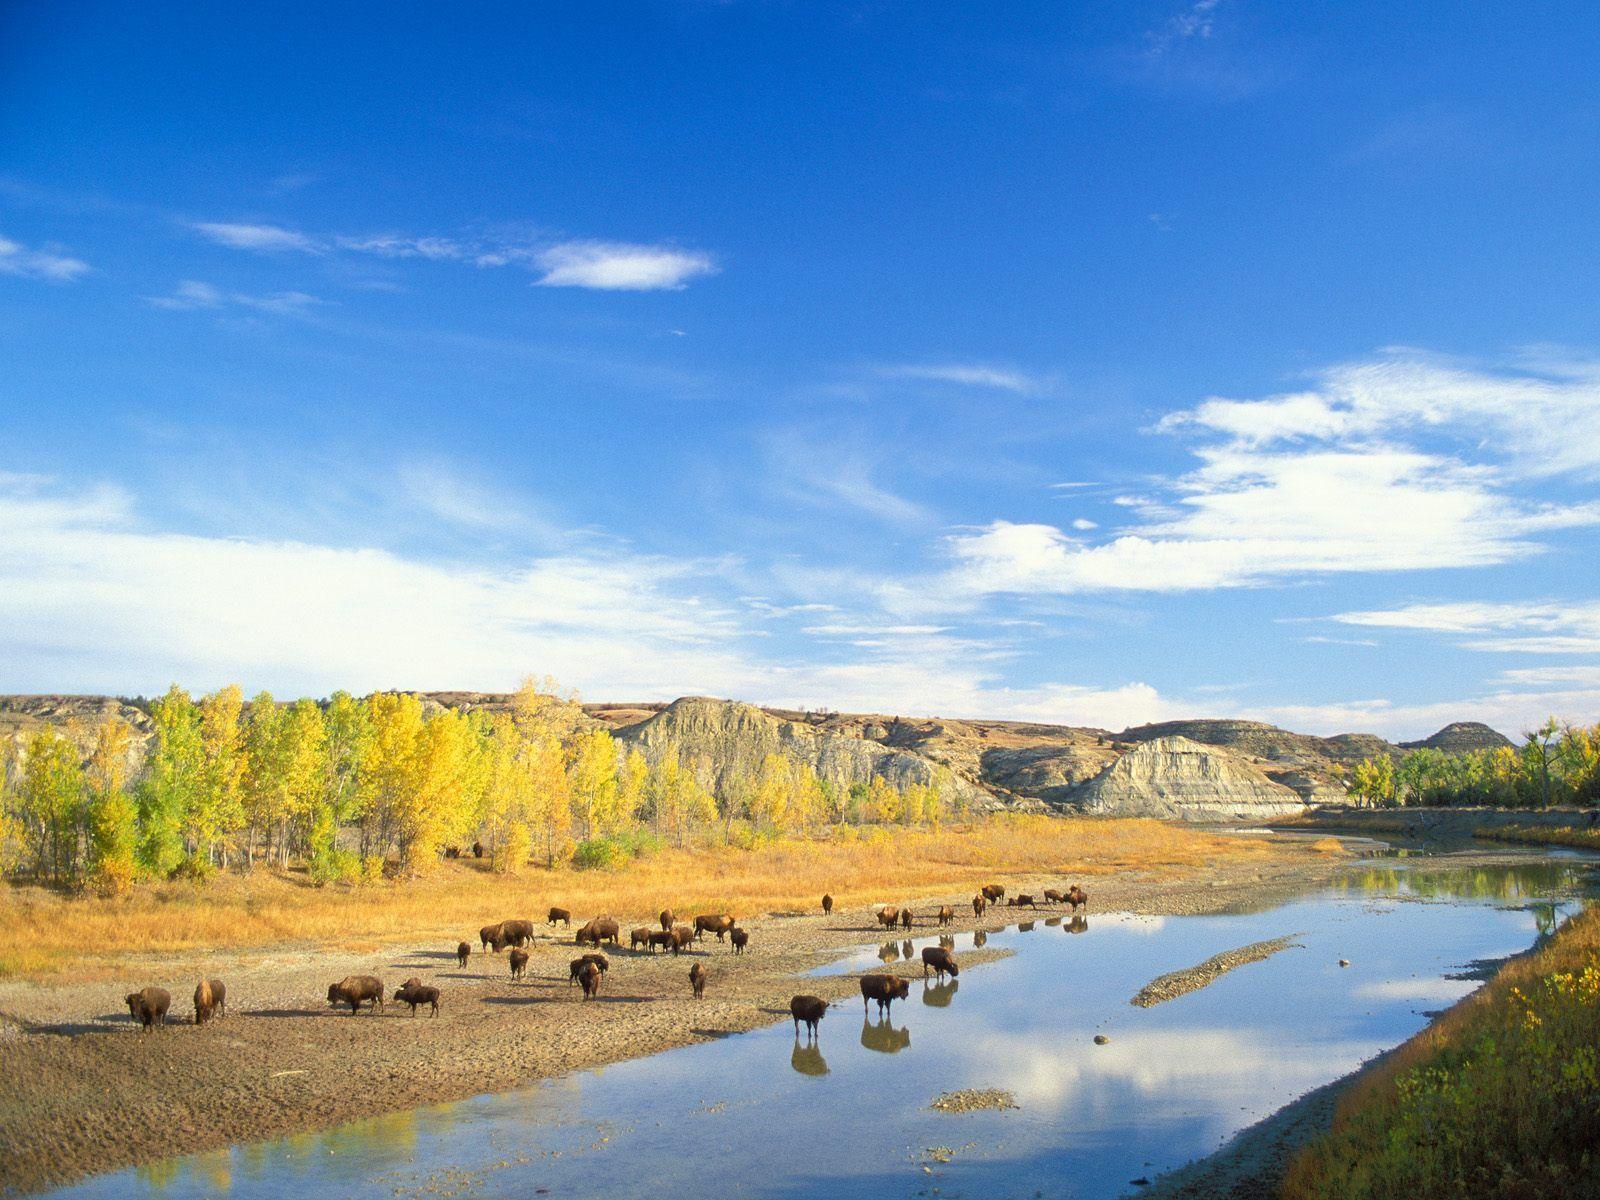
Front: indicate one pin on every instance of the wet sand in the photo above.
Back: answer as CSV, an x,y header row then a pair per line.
x,y
86,1092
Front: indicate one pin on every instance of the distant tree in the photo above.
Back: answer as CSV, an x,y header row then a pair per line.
x,y
1539,751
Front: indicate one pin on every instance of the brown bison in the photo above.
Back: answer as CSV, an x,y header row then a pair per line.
x,y
993,892
978,905
1077,897
718,924
697,980
463,953
598,961
1052,896
453,852
639,937
884,990
516,933
599,929
589,978
489,935
149,1006
558,915
416,995
1023,900
660,939
682,937
888,916
356,990
210,999
519,963
827,905
905,918
477,849
940,961
946,915
740,939
667,920
809,1009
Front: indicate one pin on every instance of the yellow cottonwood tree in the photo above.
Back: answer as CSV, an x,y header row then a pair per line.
x,y
593,784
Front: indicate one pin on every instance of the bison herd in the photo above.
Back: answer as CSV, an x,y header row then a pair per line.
x,y
149,1007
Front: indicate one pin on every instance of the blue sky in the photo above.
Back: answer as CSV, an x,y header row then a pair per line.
x,y
1095,364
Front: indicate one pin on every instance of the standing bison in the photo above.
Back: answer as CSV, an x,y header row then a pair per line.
x,y
516,933
827,905
600,929
888,916
463,953
489,935
667,919
1077,897
993,892
640,937
519,963
1052,896
558,916
682,937
979,903
809,1009
589,977
946,915
718,923
884,990
416,994
210,999
356,990
149,1007
598,961
940,961
697,980
740,939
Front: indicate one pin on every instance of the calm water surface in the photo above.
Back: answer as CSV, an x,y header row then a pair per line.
x,y
762,1115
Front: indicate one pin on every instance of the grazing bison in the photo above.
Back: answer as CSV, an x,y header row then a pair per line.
x,y
667,920
718,924
978,905
639,937
589,977
905,918
416,995
940,961
1023,900
682,936
1077,897
489,935
946,915
993,892
599,929
519,963
598,961
560,915
356,990
516,933
149,1007
740,939
210,999
888,916
697,980
884,990
453,852
661,939
809,1009
827,905
1052,896
463,952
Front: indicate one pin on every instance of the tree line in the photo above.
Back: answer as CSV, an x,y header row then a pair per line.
x,y
1555,764
352,788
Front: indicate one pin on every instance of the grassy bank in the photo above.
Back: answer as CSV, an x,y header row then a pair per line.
x,y
44,932
1499,1098
1538,835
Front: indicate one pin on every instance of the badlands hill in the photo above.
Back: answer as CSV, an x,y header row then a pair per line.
x,y
1198,770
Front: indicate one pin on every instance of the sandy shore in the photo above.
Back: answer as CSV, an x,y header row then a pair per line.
x,y
86,1093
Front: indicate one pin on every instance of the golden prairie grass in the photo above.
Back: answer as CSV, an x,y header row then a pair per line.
x,y
1541,835
43,933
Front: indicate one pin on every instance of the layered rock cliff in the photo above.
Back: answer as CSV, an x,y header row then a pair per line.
x,y
1174,777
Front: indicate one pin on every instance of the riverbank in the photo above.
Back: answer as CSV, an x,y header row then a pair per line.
x,y
87,1094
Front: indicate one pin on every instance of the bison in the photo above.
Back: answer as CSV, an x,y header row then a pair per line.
x,y
1077,897
149,1007
979,903
489,935
809,1009
516,933
660,939
940,961
697,980
560,915
946,915
740,939
667,920
356,990
416,995
1023,900
589,977
682,936
599,929
598,961
1052,896
210,999
519,963
639,937
718,924
463,953
827,905
884,990
888,916
993,892
905,918
477,849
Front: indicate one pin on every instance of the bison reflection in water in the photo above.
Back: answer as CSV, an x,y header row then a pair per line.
x,y
889,952
808,1060
940,994
884,1037
1078,924
1025,926
1052,921
979,939
907,951
947,941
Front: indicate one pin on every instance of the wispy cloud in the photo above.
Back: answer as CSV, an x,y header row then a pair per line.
x,y
620,266
1518,627
1198,20
193,295
391,245
264,239
48,265
967,375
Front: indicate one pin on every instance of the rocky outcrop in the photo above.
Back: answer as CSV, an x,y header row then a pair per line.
x,y
1461,737
1175,777
733,739
77,717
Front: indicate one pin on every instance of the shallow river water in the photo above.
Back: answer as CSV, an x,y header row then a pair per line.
x,y
764,1115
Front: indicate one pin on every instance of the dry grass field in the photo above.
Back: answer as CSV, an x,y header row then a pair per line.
x,y
44,933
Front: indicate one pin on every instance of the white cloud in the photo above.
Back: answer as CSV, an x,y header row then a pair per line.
x,y
393,245
1427,991
967,374
620,266
1511,710
438,489
267,239
193,295
1083,524
17,259
1520,627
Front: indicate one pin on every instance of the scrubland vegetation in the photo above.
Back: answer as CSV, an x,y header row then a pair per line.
x,y
1500,1098
1555,764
